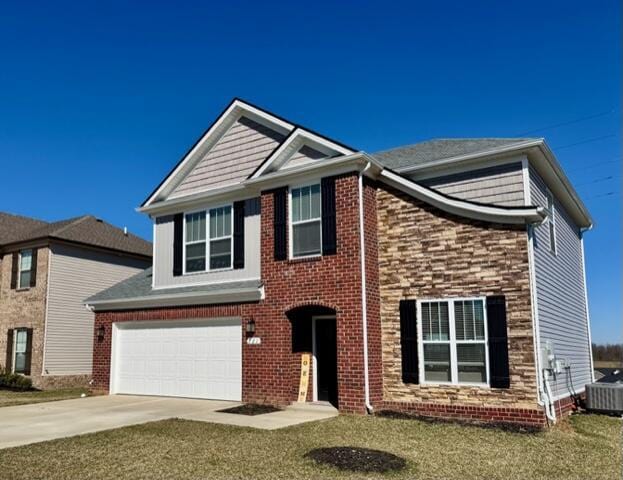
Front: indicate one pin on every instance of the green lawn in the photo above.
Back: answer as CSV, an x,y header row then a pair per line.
x,y
588,447
8,398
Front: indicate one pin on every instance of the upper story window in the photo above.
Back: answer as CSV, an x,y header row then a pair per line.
x,y
551,223
454,341
305,221
200,254
25,268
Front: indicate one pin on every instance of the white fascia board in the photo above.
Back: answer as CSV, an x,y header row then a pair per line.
x,y
253,187
235,110
173,299
299,137
488,213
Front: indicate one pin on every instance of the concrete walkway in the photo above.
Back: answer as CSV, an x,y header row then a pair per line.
x,y
24,424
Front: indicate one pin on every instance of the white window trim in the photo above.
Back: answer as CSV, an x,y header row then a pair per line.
x,y
454,369
207,241
551,219
19,269
291,255
14,350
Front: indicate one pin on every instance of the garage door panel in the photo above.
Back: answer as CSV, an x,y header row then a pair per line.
x,y
191,360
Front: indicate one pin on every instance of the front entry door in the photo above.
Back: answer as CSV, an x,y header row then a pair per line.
x,y
325,354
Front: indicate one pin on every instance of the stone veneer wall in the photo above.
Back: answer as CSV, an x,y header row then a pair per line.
x,y
426,253
25,308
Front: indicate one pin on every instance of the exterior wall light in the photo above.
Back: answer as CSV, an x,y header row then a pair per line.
x,y
251,328
101,331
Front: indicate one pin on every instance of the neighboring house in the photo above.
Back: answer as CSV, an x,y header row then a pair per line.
x,y
46,271
444,278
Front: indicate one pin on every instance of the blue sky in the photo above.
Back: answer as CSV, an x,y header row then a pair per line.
x,y
99,100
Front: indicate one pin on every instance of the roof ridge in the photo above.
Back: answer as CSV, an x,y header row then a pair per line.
x,y
24,217
72,223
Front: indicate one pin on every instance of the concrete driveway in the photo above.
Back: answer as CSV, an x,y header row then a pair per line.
x,y
24,424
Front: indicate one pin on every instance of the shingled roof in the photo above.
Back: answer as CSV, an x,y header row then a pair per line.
x,y
86,229
442,148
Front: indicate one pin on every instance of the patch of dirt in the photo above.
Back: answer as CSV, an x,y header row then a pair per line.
x,y
251,409
357,459
506,427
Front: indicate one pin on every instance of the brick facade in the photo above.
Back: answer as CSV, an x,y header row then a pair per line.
x,y
25,308
426,253
270,370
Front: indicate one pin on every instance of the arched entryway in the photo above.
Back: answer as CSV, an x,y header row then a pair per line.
x,y
314,331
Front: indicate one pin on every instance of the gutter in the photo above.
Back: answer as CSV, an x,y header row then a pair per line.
x,y
236,295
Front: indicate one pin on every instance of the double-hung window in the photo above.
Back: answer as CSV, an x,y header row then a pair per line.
x,y
305,231
551,221
25,268
220,237
208,240
454,341
20,345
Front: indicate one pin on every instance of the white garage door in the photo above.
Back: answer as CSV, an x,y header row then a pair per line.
x,y
178,359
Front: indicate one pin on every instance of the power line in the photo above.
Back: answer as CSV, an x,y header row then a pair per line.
x,y
598,180
609,194
584,141
586,167
564,124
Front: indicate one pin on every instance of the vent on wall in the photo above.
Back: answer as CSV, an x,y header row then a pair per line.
x,y
605,397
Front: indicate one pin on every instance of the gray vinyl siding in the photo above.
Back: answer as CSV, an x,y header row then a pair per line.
x,y
232,159
499,185
163,260
560,291
304,155
76,274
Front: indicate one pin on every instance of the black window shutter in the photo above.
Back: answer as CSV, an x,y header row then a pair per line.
x,y
33,268
499,375
239,234
14,271
408,341
178,244
280,223
329,240
28,351
8,366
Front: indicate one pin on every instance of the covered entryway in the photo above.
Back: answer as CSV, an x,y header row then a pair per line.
x,y
194,359
314,332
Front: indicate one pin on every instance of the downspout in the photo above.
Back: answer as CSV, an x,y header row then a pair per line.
x,y
364,305
588,315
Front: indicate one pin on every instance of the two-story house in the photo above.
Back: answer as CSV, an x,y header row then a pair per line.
x,y
444,278
46,271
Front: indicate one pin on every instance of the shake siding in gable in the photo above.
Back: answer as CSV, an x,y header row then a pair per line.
x,y
232,159
500,185
76,274
163,260
560,292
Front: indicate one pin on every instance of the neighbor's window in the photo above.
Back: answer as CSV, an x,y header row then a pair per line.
x,y
19,350
551,212
25,268
215,225
453,341
196,242
305,221
220,237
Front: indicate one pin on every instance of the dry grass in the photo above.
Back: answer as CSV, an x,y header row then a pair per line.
x,y
608,364
174,449
8,398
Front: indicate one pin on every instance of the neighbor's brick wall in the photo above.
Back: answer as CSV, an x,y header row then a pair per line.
x,y
426,253
271,372
24,308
